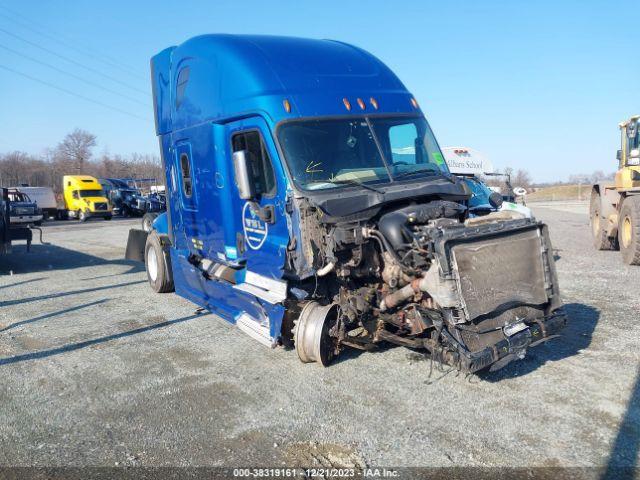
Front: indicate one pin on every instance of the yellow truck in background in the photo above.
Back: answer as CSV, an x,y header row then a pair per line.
x,y
84,198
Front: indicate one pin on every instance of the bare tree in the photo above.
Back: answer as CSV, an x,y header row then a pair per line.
x,y
76,149
73,155
522,178
17,168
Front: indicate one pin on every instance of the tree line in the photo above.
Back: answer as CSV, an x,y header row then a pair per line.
x,y
74,155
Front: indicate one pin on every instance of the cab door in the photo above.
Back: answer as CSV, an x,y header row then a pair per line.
x,y
188,223
260,244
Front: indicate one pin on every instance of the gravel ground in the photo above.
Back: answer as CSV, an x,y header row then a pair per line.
x,y
98,370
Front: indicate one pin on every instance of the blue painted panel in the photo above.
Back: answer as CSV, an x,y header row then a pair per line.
x,y
161,225
160,82
209,227
265,244
236,75
479,193
224,300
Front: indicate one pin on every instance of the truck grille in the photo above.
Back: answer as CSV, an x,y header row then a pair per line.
x,y
100,206
23,211
500,272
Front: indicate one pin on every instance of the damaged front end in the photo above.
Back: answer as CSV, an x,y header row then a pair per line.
x,y
471,292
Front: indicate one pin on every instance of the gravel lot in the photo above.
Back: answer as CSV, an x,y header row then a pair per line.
x,y
98,370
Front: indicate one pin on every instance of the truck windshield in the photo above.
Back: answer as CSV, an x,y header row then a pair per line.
x,y
19,197
91,193
325,154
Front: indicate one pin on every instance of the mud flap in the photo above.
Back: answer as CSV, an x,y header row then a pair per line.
x,y
135,245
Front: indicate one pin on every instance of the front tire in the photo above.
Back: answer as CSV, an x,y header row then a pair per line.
x,y
629,230
82,215
600,239
158,265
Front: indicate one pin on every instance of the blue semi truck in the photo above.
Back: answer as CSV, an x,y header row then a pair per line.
x,y
309,204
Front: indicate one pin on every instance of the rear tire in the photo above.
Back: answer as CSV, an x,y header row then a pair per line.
x,y
157,263
629,230
600,239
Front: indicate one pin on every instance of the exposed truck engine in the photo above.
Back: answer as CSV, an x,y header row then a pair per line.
x,y
472,292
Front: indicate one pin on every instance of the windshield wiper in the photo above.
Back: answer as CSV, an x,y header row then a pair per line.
x,y
421,170
350,181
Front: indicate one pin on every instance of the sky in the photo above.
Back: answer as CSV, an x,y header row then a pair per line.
x,y
534,85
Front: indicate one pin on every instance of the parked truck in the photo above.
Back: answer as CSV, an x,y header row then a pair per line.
x,y
45,198
84,198
615,207
9,231
290,216
23,210
128,200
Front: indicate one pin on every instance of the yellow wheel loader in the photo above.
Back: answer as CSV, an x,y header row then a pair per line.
x,y
615,208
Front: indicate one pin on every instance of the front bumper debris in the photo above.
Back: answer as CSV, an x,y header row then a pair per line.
x,y
504,351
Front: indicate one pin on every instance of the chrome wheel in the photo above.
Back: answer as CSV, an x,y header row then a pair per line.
x,y
595,223
311,333
152,264
626,232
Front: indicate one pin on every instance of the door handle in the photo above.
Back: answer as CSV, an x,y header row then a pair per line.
x,y
267,213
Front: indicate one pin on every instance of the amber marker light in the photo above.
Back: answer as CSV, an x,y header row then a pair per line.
x,y
347,104
361,104
286,105
373,102
414,102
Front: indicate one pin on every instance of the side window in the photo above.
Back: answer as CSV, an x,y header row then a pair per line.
x,y
402,139
75,195
263,175
633,135
185,169
181,86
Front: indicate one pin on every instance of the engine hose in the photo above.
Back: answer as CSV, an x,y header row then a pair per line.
x,y
388,248
326,269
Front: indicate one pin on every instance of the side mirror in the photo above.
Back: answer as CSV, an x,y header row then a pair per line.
x,y
244,175
619,155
